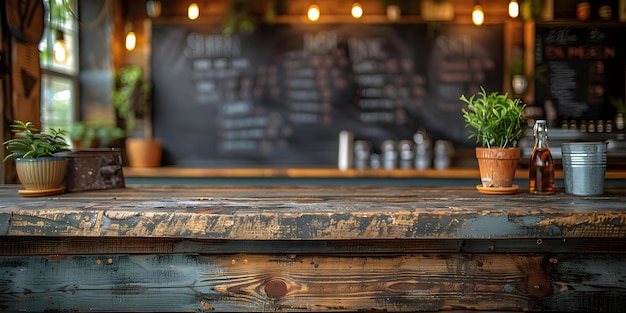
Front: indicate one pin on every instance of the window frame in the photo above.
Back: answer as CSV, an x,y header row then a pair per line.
x,y
65,72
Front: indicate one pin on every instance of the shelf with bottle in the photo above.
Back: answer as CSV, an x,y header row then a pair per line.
x,y
616,138
584,11
592,129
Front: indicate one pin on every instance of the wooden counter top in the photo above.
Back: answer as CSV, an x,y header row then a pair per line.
x,y
260,249
312,213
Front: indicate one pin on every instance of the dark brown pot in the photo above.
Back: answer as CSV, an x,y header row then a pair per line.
x,y
497,166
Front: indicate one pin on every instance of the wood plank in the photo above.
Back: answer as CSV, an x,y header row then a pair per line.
x,y
200,249
324,213
261,283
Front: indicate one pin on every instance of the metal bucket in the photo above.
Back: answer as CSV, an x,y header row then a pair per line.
x,y
584,165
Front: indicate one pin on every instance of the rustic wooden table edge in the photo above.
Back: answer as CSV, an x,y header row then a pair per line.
x,y
313,213
297,249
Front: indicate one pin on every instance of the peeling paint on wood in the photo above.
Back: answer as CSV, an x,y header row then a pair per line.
x,y
256,283
294,249
315,213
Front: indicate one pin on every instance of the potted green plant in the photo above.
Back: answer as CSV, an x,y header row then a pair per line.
x,y
497,123
97,133
240,17
38,169
531,9
131,96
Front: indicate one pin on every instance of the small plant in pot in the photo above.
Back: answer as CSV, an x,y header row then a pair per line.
x,y
39,170
95,133
497,123
131,98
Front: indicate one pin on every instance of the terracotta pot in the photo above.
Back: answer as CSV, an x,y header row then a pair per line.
x,y
143,152
83,144
41,173
497,166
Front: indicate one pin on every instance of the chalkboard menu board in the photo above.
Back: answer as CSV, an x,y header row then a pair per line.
x,y
281,94
581,67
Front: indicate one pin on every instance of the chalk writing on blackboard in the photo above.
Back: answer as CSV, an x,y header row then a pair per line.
x,y
579,59
281,94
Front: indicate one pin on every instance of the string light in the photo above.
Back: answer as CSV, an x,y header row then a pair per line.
x,y
193,11
131,40
478,15
313,13
131,37
357,10
59,49
513,9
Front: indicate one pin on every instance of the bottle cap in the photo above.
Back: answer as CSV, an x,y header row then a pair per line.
x,y
540,126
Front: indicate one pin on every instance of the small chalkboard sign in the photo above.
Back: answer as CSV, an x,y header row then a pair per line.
x,y
280,95
581,67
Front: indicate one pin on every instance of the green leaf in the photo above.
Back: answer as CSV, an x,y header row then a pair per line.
x,y
494,119
30,143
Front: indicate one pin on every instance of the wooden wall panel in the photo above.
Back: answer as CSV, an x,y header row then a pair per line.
x,y
256,283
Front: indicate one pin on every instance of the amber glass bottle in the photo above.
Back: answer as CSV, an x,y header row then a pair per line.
x,y
541,167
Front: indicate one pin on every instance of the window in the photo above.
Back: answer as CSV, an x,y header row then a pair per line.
x,y
59,65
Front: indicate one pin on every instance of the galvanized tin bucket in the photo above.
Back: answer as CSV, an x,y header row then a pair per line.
x,y
584,165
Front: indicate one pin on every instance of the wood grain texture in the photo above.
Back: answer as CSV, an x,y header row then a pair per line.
x,y
297,249
298,283
319,213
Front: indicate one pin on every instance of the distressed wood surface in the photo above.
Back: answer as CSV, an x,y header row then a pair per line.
x,y
297,283
303,213
297,249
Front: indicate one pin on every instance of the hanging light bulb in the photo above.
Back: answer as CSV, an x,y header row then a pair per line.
x,y
59,49
513,9
313,13
131,37
357,10
193,11
478,15
131,40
